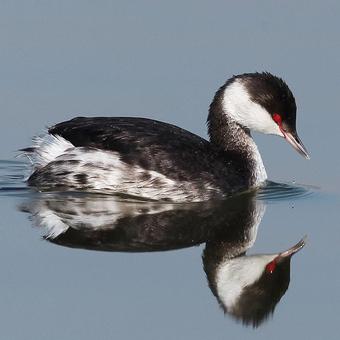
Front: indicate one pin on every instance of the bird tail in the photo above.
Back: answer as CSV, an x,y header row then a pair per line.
x,y
45,149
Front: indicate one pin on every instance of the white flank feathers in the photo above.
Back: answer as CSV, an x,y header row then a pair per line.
x,y
105,172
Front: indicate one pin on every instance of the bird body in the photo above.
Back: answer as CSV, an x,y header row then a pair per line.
x,y
138,156
159,161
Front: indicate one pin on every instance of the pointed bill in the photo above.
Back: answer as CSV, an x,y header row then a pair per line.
x,y
294,140
291,251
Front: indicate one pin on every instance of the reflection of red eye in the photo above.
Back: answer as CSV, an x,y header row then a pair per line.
x,y
270,267
277,119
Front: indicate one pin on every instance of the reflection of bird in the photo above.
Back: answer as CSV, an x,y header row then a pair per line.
x,y
106,223
247,287
155,160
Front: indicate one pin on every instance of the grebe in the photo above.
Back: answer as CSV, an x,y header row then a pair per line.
x,y
159,161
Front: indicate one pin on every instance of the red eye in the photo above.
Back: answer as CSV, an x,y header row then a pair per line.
x,y
277,119
270,267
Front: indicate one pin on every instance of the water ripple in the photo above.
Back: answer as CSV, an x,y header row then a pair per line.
x,y
12,176
276,192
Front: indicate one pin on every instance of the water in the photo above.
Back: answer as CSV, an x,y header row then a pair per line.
x,y
73,270
76,265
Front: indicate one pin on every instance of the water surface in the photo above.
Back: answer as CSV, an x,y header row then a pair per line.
x,y
77,265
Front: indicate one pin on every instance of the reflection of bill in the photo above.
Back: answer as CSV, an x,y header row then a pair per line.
x,y
247,287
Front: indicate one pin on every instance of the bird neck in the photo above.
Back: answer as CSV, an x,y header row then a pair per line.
x,y
226,133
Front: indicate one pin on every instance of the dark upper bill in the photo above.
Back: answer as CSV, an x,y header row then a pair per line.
x,y
294,140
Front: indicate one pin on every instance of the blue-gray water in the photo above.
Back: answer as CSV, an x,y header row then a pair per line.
x,y
55,286
164,60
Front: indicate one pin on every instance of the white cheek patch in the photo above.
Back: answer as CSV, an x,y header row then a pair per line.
x,y
239,106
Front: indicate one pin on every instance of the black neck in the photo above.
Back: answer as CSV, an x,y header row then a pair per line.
x,y
226,134
224,131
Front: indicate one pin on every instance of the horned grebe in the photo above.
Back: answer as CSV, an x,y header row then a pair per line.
x,y
159,161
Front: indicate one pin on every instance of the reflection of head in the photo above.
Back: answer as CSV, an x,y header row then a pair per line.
x,y
247,291
259,299
249,287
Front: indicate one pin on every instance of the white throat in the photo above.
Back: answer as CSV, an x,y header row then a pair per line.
x,y
259,171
